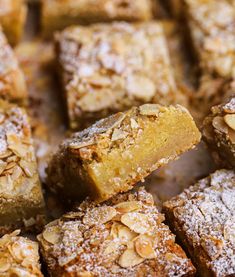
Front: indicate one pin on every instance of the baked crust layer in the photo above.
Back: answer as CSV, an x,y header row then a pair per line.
x,y
203,219
117,152
124,236
107,68
21,199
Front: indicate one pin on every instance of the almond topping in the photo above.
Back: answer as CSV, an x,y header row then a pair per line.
x,y
144,247
129,206
219,124
130,258
99,215
52,234
4,265
118,134
230,120
149,109
137,222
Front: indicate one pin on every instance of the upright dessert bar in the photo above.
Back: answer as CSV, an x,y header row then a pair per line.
x,y
108,68
12,82
211,25
122,237
219,132
19,256
118,151
56,14
21,200
12,18
203,218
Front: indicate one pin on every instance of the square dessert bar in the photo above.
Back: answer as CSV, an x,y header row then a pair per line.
x,y
12,18
124,236
211,25
219,132
19,256
21,199
117,152
56,14
203,218
108,68
12,82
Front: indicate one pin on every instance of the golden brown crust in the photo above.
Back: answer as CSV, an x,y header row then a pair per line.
x,y
12,18
203,218
118,151
12,82
124,236
219,132
19,256
21,200
56,15
108,68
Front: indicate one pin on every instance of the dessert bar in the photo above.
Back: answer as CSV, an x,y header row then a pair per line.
x,y
211,24
19,256
12,18
56,14
124,236
12,82
108,68
21,199
203,218
219,132
118,151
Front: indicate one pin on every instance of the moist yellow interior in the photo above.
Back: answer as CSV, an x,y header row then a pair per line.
x,y
162,140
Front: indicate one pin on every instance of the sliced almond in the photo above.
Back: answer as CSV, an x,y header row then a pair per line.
x,y
118,134
99,215
137,222
134,124
112,247
149,109
2,166
122,232
52,234
4,265
219,124
130,258
230,120
28,167
128,206
144,247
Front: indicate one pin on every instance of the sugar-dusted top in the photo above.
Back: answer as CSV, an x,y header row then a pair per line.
x,y
115,65
212,27
206,213
124,236
19,256
18,168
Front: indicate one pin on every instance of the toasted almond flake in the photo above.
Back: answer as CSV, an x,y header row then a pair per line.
x,y
122,232
144,247
81,144
10,165
52,234
134,124
2,118
2,166
4,265
112,247
99,215
85,274
149,109
130,258
219,124
28,167
230,120
118,134
5,154
20,150
128,206
137,222
16,173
